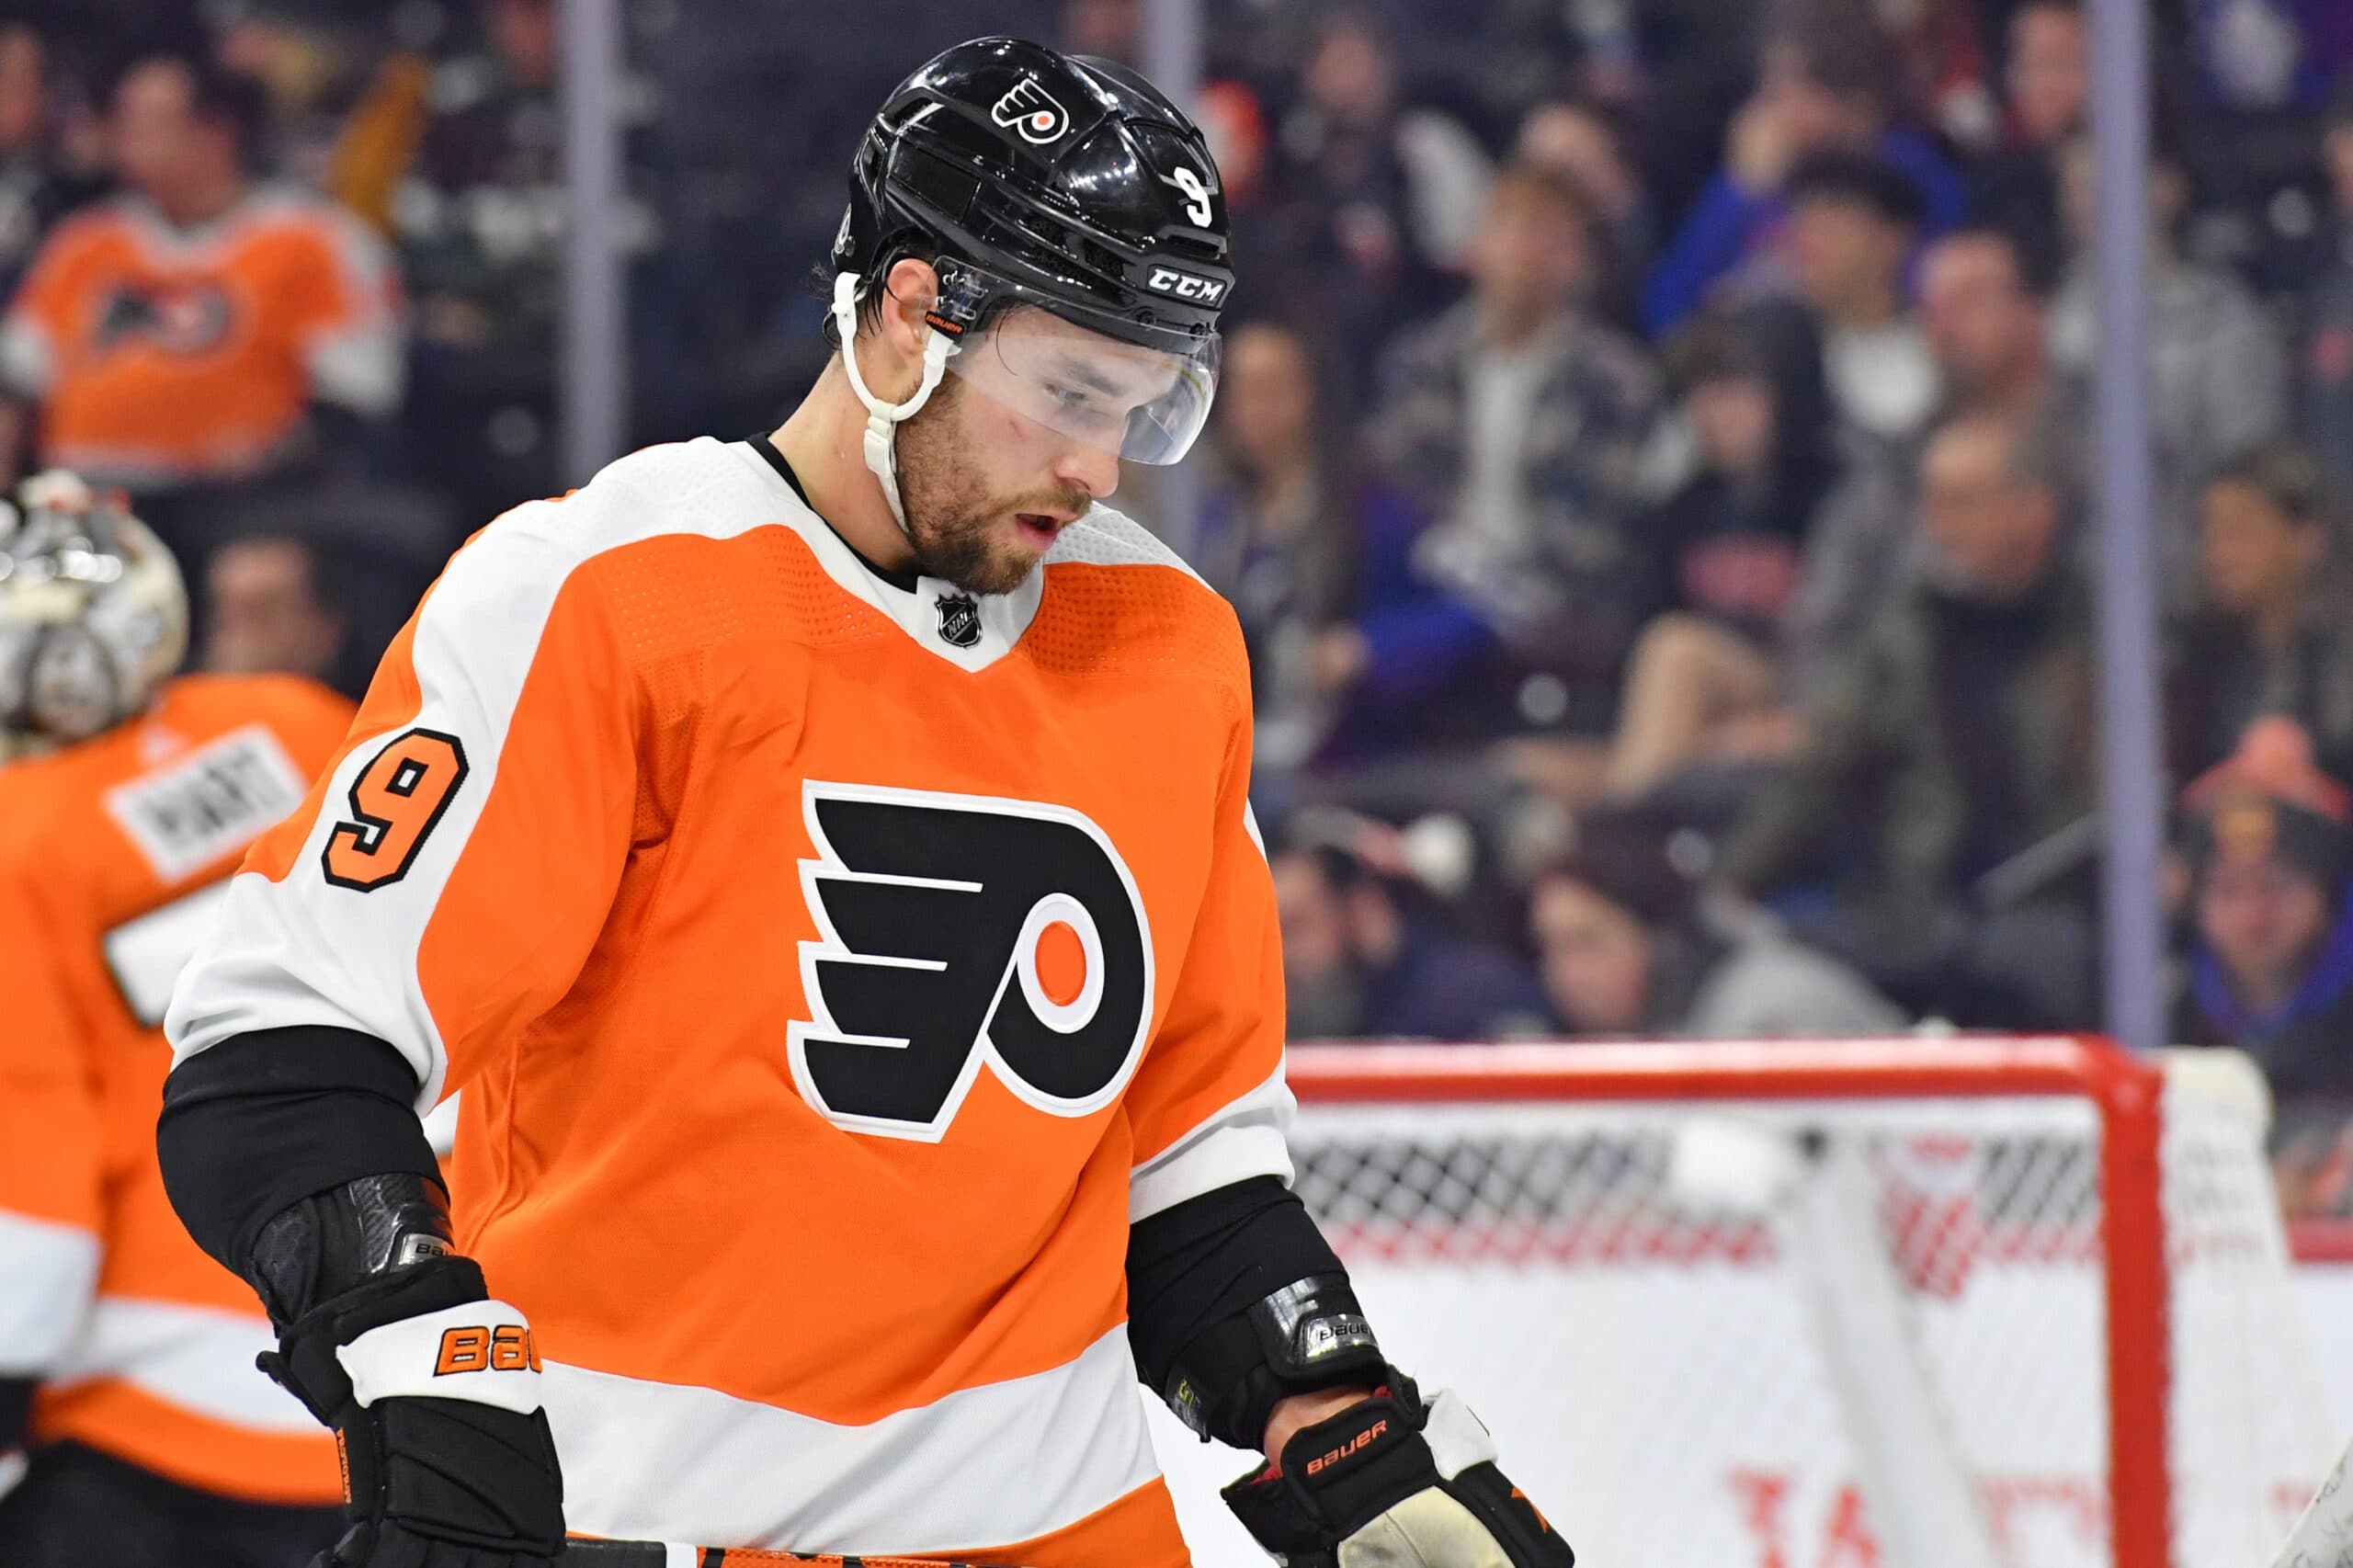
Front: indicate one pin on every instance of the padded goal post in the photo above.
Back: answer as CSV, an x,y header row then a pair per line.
x,y
1961,1302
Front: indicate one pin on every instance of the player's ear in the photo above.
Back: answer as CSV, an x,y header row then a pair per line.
x,y
912,287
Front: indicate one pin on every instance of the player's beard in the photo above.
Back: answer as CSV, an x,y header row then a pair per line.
x,y
956,525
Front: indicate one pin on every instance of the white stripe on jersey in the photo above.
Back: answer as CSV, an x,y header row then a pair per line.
x,y
51,1270
987,1466
1248,1138
198,1359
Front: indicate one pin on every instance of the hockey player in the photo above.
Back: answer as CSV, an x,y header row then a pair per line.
x,y
823,860
125,1353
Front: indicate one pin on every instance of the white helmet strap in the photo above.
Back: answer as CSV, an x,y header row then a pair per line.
x,y
882,419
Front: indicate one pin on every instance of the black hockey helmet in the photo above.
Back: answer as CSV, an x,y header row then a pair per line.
x,y
1067,182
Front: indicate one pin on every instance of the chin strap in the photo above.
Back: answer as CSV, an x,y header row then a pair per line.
x,y
882,419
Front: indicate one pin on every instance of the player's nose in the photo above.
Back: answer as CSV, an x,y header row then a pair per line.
x,y
1091,468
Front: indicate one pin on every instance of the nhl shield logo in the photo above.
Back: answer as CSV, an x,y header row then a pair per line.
x,y
960,619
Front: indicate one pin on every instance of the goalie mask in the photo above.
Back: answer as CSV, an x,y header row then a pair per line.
x,y
1078,226
93,614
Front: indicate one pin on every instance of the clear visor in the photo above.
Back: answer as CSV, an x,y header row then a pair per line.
x,y
1140,404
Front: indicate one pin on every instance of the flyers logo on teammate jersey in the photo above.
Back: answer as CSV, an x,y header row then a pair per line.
x,y
188,317
956,932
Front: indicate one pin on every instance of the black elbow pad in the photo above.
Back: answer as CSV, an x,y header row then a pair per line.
x,y
258,1123
1235,1302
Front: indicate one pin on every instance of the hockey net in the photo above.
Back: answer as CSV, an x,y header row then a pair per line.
x,y
1962,1303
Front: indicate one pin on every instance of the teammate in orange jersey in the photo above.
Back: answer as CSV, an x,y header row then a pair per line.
x,y
125,1353
824,862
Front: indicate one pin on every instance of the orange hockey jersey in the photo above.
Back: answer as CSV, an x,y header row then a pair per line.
x,y
162,357
833,968
114,855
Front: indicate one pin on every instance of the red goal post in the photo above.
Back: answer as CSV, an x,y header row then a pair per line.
x,y
2091,1226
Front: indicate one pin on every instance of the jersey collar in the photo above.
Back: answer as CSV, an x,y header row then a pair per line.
x,y
969,630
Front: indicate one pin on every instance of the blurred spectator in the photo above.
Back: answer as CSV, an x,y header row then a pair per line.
x,y
1522,424
1984,316
1624,946
1853,218
274,610
1295,538
2049,99
1365,957
2273,632
1112,29
1953,760
1705,683
2327,366
1938,47
1381,198
2258,56
2218,372
2271,957
480,224
1983,305
201,332
1577,141
34,191
1828,83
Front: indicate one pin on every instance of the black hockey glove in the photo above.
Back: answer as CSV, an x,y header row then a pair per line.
x,y
432,1391
1394,1482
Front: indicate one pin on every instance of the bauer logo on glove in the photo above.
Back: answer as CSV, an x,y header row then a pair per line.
x,y
1394,1483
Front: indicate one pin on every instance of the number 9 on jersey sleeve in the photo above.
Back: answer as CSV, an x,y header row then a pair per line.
x,y
395,804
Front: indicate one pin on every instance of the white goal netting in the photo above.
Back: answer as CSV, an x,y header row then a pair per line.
x,y
1815,1320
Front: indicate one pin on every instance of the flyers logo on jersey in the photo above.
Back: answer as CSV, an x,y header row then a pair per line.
x,y
958,932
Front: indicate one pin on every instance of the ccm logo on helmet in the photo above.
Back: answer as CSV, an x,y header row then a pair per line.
x,y
1185,285
1032,110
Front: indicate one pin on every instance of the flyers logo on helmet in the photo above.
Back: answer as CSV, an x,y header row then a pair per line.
x,y
1029,109
958,932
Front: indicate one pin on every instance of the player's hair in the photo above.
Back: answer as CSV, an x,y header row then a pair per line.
x,y
2038,270
217,95
1523,181
1718,347
2037,454
1626,857
2291,480
874,291
1860,179
1843,47
327,577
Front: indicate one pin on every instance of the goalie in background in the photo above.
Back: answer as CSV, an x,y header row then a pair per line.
x,y
126,1355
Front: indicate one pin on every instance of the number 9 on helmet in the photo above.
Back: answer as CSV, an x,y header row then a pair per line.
x,y
93,614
